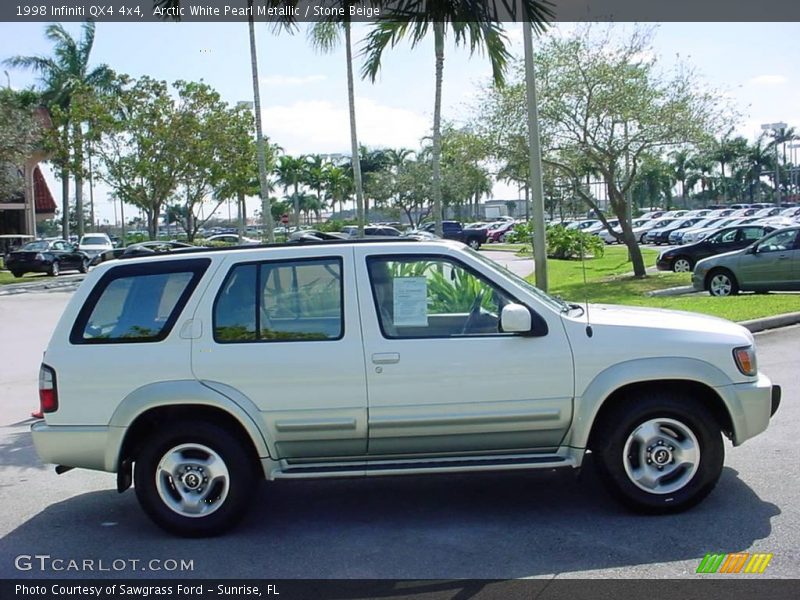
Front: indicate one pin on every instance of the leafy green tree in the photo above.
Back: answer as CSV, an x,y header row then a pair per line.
x,y
604,106
141,147
338,186
62,76
20,137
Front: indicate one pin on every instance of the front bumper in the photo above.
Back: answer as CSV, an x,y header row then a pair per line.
x,y
751,405
664,264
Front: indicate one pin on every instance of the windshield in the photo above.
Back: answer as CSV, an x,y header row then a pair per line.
x,y
94,240
36,246
555,303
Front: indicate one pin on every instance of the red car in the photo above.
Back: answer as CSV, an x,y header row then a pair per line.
x,y
496,234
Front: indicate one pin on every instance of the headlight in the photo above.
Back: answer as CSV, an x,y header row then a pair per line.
x,y
745,359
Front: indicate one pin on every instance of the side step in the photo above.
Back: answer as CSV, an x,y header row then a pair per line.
x,y
451,464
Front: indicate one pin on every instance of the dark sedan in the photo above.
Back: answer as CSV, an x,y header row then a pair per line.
x,y
661,236
684,258
46,256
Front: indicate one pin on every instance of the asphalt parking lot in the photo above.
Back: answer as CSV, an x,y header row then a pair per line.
x,y
477,526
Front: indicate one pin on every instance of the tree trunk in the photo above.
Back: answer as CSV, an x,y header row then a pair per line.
x,y
296,202
266,211
65,203
241,208
438,42
360,212
78,141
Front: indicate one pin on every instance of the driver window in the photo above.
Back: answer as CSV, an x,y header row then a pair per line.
x,y
779,242
725,238
433,297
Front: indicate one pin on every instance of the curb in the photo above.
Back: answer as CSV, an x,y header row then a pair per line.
x,y
784,320
675,291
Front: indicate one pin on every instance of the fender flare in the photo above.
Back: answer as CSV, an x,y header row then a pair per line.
x,y
176,393
643,370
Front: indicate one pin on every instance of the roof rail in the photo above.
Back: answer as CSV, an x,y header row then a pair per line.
x,y
289,244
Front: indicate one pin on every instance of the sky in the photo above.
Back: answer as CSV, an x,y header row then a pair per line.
x,y
304,93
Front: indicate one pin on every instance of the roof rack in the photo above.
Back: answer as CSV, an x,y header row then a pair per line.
x,y
288,244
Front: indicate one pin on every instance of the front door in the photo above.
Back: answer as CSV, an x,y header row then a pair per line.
x,y
442,376
769,266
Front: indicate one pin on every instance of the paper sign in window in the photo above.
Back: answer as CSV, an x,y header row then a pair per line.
x,y
410,302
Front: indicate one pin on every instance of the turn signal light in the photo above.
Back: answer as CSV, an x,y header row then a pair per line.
x,y
746,360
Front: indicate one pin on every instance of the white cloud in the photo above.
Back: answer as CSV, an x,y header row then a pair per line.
x,y
768,80
319,126
292,79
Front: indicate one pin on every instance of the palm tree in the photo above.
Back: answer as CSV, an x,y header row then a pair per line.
x,y
325,36
63,77
759,159
679,167
315,174
469,25
291,172
338,185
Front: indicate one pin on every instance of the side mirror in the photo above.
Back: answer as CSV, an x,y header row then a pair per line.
x,y
752,250
515,318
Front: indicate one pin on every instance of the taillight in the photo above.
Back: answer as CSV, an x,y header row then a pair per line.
x,y
48,392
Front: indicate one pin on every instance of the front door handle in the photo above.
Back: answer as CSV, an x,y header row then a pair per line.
x,y
385,358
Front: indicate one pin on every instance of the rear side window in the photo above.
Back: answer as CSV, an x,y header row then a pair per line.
x,y
281,301
137,303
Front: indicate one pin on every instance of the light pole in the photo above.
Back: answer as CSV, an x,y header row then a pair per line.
x,y
776,128
535,165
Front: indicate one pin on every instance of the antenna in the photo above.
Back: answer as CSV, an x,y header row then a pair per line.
x,y
589,331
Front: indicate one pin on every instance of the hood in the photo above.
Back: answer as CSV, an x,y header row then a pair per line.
x,y
657,318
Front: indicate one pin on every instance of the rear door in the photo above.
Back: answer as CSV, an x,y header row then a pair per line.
x,y
442,376
284,331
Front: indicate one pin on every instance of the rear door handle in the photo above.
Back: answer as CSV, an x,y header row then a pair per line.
x,y
385,358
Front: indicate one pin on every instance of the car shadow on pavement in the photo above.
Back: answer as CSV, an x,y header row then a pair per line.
x,y
16,450
495,525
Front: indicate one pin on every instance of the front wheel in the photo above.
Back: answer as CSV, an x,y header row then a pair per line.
x,y
84,268
682,265
659,453
474,244
195,479
55,270
722,283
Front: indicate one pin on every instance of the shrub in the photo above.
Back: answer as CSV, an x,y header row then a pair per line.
x,y
570,243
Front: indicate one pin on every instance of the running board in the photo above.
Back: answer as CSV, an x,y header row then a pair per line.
x,y
452,464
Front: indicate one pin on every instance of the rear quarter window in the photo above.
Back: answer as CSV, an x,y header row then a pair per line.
x,y
137,303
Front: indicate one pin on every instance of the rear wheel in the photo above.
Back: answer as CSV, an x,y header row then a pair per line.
x,y
659,452
474,244
682,265
16,274
55,270
84,268
721,283
195,479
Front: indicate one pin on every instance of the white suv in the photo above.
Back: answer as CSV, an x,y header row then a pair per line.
x,y
197,374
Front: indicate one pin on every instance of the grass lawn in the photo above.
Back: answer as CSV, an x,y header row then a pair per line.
x,y
609,283
6,277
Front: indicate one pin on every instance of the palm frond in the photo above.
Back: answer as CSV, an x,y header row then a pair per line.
x,y
324,36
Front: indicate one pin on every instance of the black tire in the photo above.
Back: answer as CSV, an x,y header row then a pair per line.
x,y
55,269
721,283
241,471
84,268
617,427
682,264
474,244
17,274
